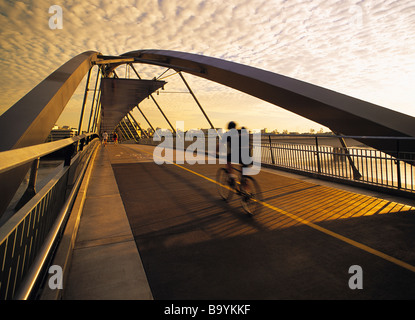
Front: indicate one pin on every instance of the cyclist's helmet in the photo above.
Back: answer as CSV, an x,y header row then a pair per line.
x,y
231,125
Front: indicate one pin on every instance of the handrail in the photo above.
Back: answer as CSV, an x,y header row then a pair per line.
x,y
13,158
390,170
31,232
338,136
28,283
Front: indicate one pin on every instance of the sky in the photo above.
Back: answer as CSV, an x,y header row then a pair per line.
x,y
359,48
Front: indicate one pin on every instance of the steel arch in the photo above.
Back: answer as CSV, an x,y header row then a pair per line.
x,y
341,113
29,121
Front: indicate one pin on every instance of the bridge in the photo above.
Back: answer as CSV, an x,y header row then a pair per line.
x,y
104,221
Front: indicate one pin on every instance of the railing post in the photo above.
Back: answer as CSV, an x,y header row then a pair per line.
x,y
69,150
318,156
270,149
82,144
398,164
31,187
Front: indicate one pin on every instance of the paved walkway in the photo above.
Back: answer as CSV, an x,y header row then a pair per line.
x,y
105,263
192,245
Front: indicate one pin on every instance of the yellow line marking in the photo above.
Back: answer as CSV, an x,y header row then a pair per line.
x,y
314,226
342,238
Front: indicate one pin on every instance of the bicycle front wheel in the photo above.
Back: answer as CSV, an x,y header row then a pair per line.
x,y
222,184
251,196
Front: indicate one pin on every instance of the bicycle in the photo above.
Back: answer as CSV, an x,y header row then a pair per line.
x,y
244,186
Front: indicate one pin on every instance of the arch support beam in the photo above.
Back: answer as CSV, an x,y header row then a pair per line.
x,y
339,112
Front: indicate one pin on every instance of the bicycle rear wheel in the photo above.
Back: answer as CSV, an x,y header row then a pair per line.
x,y
251,196
223,184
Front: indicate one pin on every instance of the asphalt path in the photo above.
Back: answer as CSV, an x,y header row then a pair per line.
x,y
304,244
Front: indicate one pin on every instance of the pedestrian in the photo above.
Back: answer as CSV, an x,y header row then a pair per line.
x,y
105,138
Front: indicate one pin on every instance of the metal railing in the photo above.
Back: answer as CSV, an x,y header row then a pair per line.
x,y
29,237
341,158
325,156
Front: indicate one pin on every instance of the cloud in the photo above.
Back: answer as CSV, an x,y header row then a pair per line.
x,y
361,48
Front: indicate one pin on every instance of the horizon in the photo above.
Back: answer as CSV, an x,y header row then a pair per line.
x,y
266,130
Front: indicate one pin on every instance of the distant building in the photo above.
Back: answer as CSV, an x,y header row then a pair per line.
x,y
59,133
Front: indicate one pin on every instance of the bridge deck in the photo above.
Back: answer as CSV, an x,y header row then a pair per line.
x,y
193,245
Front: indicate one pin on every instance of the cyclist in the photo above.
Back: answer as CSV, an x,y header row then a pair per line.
x,y
232,175
239,149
